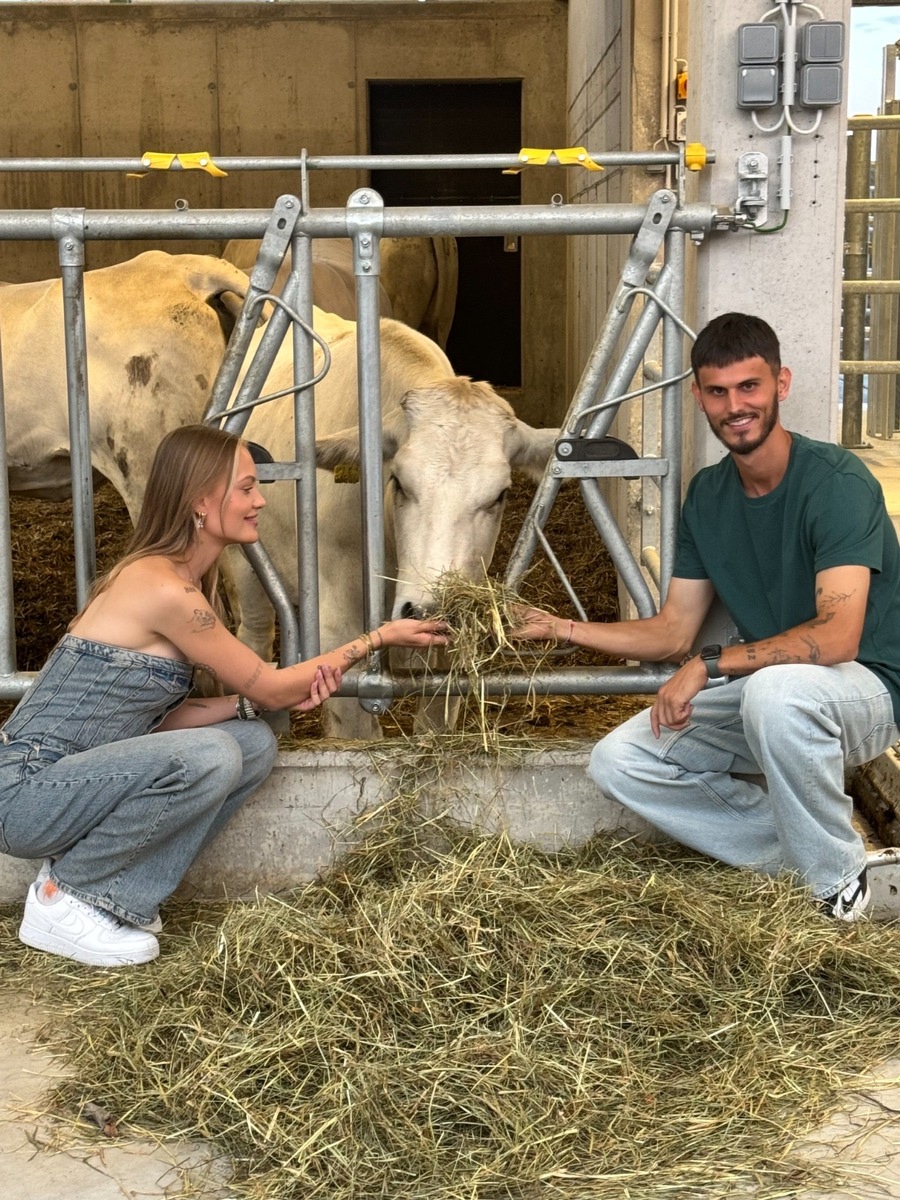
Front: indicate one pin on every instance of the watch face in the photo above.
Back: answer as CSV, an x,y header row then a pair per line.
x,y
710,651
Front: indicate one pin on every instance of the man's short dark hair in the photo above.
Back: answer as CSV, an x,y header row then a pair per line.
x,y
731,338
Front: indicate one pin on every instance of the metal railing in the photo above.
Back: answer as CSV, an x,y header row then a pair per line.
x,y
658,230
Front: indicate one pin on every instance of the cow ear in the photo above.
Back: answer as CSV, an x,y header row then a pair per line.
x,y
342,448
529,448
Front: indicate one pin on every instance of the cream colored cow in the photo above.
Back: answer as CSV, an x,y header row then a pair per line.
x,y
449,446
156,328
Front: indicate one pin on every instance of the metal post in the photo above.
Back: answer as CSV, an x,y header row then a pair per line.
x,y
304,452
365,212
70,227
7,607
672,398
856,251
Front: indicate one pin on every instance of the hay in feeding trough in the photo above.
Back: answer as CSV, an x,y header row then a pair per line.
x,y
478,1020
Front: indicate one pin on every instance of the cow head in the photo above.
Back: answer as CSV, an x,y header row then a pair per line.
x,y
449,452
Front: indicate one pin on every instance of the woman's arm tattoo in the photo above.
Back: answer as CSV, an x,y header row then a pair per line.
x,y
248,683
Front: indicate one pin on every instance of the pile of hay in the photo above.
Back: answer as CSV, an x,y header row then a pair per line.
x,y
455,1017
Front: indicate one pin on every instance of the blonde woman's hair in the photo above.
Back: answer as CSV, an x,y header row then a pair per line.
x,y
190,461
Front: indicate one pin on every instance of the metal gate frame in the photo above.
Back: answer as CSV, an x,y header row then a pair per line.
x,y
658,229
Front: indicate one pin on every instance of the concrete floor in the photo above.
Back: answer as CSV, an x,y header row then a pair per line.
x,y
43,1158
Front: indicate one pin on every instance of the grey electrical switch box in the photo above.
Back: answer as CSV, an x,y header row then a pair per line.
x,y
821,85
757,44
757,87
822,42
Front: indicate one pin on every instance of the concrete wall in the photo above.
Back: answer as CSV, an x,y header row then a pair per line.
x,y
297,822
232,78
791,278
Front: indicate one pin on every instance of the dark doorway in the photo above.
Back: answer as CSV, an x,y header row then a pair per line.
x,y
461,118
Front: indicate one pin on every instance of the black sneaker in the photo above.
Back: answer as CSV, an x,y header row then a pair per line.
x,y
851,903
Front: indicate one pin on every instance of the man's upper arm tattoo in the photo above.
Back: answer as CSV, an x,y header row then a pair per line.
x,y
203,619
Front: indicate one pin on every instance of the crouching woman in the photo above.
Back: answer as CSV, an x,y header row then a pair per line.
x,y
108,771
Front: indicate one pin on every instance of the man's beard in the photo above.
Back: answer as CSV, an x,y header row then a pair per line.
x,y
746,445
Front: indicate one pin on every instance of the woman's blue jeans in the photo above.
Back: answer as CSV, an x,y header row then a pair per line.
x,y
125,820
798,726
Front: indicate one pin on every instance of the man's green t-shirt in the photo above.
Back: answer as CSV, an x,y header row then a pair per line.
x,y
762,553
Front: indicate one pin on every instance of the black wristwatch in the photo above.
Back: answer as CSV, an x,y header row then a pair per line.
x,y
710,656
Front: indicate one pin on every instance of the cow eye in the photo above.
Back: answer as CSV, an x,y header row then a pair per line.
x,y
397,488
500,499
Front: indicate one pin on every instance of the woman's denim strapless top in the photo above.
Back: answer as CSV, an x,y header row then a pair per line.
x,y
89,694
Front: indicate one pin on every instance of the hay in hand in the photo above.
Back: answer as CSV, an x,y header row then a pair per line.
x,y
457,1017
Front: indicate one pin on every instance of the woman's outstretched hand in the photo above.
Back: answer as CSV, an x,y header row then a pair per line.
x,y
410,631
325,683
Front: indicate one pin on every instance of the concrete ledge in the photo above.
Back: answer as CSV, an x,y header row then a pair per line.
x,y
302,817
298,821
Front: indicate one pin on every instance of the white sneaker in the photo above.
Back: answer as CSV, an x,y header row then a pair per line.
x,y
75,929
155,925
851,902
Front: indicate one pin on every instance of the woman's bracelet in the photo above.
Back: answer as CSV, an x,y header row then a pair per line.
x,y
245,709
568,641
370,645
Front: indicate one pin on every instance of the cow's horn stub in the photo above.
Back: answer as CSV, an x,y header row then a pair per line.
x,y
259,453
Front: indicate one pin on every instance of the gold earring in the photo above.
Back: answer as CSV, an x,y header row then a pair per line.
x,y
199,519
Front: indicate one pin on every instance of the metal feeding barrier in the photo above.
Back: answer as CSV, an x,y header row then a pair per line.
x,y
653,270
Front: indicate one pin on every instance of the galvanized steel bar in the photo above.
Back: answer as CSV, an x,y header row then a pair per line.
x,y
365,213
672,398
305,451
346,162
573,681
7,606
71,262
460,220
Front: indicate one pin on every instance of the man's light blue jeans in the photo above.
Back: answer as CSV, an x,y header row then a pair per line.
x,y
798,726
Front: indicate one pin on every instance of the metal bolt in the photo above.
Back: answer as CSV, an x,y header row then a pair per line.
x,y
365,243
556,470
666,198
288,204
365,198
564,449
752,164
367,266
70,245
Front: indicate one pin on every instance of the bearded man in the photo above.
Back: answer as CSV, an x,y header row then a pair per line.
x,y
794,538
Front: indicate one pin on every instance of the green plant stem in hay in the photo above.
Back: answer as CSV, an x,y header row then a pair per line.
x,y
447,1015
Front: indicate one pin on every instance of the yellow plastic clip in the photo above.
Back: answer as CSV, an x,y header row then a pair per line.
x,y
572,156
695,156
347,472
200,160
